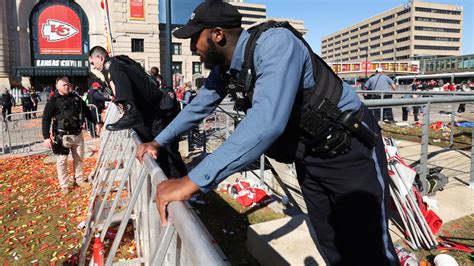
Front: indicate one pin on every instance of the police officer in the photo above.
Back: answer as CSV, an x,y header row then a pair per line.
x,y
346,192
27,103
66,111
134,90
147,107
7,102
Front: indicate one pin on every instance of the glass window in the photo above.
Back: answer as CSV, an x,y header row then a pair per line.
x,y
138,46
197,67
177,67
176,48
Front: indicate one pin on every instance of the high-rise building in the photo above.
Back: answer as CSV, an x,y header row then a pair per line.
x,y
401,33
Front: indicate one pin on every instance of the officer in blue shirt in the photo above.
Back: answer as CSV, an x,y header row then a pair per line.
x,y
346,195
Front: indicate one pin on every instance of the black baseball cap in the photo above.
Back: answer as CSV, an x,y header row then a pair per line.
x,y
210,14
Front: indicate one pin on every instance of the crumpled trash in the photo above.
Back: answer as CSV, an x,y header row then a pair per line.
x,y
248,194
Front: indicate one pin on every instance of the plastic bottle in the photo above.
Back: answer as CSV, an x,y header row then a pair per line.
x,y
445,260
98,251
406,257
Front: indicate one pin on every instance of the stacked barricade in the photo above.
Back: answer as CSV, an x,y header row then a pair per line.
x,y
124,190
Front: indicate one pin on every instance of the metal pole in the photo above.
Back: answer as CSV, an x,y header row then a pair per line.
x,y
424,142
169,58
451,137
262,169
471,181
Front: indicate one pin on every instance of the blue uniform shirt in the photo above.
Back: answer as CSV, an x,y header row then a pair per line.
x,y
379,82
283,67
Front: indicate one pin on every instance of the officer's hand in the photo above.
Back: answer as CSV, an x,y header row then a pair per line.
x,y
173,190
48,143
149,147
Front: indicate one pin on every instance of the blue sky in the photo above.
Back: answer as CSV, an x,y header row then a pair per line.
x,y
323,17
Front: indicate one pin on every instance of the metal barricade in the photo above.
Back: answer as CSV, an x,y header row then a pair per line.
x,y
123,191
22,132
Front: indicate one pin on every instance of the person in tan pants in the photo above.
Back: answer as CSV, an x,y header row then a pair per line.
x,y
66,111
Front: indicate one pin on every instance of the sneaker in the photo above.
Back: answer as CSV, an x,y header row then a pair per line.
x,y
82,183
65,191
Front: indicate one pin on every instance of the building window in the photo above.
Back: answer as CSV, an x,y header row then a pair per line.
x,y
433,38
388,26
375,22
404,11
437,29
441,48
197,67
177,67
403,39
375,38
403,48
388,17
403,21
438,20
387,43
403,30
375,30
375,54
388,34
176,49
439,11
138,46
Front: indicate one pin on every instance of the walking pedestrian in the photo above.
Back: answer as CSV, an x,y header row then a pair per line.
x,y
7,102
380,82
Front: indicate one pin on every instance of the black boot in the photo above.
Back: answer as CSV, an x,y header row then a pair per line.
x,y
130,119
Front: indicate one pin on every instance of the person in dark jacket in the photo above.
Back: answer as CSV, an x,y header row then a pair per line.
x,y
27,104
7,102
36,99
147,107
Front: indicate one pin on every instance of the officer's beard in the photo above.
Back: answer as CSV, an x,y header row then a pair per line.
x,y
212,56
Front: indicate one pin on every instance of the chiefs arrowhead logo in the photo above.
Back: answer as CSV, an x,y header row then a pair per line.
x,y
55,30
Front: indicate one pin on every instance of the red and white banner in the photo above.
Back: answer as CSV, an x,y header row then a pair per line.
x,y
59,31
137,9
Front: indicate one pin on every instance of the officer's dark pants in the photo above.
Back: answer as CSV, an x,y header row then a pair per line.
x,y
170,156
347,198
166,155
387,112
27,107
7,110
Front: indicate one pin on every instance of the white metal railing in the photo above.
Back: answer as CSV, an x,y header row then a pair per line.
x,y
124,190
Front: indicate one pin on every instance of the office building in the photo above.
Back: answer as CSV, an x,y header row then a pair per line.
x,y
401,33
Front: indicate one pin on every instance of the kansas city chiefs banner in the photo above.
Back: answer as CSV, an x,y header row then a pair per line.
x,y
59,31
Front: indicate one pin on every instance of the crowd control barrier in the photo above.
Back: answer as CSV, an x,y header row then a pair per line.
x,y
123,193
22,132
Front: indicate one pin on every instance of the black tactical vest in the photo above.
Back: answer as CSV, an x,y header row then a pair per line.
x,y
69,115
314,111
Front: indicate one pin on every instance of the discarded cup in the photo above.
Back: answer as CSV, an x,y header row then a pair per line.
x,y
406,257
445,260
